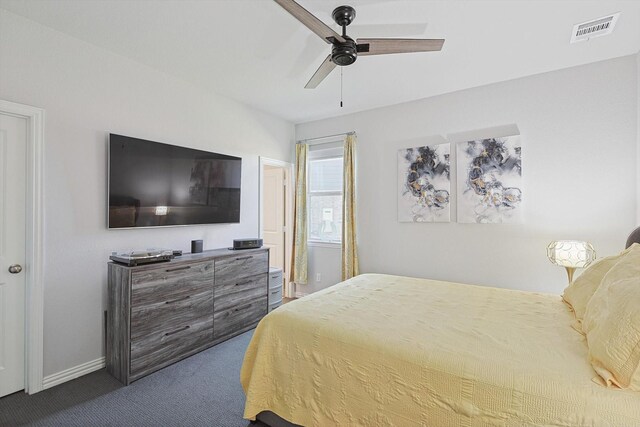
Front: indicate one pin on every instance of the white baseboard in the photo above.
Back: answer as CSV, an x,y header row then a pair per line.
x,y
72,373
301,294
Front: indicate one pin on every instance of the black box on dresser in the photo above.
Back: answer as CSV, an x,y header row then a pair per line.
x,y
160,313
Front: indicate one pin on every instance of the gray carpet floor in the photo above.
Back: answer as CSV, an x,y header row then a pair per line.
x,y
202,390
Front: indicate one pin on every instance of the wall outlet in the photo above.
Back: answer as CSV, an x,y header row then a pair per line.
x,y
318,277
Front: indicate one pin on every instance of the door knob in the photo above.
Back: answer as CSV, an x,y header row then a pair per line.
x,y
15,268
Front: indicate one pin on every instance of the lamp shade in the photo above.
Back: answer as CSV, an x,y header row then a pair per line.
x,y
571,253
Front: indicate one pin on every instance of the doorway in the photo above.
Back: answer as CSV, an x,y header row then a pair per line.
x,y
21,247
13,154
276,215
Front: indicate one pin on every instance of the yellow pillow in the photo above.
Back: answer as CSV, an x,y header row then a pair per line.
x,y
612,324
580,291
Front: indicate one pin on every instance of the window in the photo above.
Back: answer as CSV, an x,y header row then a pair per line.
x,y
325,197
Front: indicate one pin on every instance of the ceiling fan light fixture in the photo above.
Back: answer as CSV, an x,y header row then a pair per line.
x,y
346,53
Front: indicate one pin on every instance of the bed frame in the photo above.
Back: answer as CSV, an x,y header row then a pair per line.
x,y
273,420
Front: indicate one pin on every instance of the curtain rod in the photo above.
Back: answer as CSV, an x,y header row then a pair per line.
x,y
304,141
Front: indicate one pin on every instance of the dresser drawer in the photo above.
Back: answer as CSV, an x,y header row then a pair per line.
x,y
228,322
170,344
146,319
239,291
231,268
170,282
274,304
275,294
275,278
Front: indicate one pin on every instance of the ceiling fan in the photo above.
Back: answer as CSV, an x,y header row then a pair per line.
x,y
344,49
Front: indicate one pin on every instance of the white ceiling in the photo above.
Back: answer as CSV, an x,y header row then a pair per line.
x,y
255,52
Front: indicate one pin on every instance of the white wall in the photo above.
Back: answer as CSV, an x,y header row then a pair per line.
x,y
88,92
578,126
326,261
638,147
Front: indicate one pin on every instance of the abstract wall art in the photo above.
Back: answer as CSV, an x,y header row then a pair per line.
x,y
424,184
490,180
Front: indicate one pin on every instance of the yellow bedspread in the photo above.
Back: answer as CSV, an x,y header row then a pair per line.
x,y
382,350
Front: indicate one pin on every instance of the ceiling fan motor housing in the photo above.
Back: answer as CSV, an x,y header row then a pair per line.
x,y
344,53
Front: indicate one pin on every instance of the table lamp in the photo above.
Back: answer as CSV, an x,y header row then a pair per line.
x,y
571,254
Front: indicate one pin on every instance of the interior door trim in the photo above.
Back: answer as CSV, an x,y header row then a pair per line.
x,y
288,214
34,292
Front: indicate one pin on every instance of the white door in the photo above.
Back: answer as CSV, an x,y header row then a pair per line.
x,y
273,214
13,142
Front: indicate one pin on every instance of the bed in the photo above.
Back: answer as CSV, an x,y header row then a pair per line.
x,y
380,350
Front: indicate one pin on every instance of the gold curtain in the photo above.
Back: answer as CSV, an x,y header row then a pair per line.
x,y
349,250
299,250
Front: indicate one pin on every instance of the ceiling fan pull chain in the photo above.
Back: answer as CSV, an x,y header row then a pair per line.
x,y
340,87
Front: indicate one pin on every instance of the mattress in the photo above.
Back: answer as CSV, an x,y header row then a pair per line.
x,y
380,350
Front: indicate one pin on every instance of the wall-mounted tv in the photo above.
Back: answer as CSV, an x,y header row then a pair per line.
x,y
153,184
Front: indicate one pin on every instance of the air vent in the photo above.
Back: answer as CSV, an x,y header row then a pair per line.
x,y
595,28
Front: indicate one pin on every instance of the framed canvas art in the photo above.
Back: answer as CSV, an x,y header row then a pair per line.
x,y
424,184
490,180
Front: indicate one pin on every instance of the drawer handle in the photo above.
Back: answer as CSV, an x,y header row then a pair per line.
x,y
244,257
178,300
243,283
275,292
242,308
186,267
177,330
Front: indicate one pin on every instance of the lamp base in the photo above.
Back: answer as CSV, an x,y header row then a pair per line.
x,y
570,271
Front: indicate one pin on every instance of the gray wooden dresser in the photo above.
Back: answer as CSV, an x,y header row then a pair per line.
x,y
160,313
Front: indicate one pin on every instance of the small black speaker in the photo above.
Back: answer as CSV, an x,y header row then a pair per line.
x,y
196,246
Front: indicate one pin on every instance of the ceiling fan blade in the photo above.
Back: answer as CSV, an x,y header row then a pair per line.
x,y
321,73
386,46
414,29
310,21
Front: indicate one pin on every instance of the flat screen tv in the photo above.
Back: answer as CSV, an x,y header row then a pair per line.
x,y
153,184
